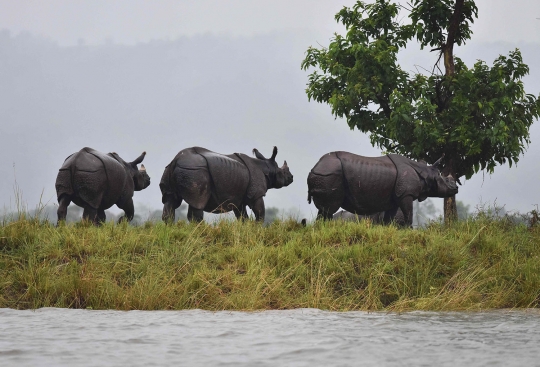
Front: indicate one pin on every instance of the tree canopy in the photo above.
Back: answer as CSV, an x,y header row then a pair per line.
x,y
477,116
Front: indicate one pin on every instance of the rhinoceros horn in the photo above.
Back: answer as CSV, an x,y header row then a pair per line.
x,y
139,160
142,168
438,161
258,154
274,153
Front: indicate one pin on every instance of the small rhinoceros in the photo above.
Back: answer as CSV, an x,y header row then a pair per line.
x,y
96,181
217,183
369,185
377,218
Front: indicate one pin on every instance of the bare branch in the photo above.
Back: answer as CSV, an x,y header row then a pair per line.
x,y
423,68
437,64
410,7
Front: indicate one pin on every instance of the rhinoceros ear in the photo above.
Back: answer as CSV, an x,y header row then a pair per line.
x,y
274,153
143,168
139,160
285,164
258,154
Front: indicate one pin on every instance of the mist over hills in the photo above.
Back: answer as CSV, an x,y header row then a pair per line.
x,y
228,94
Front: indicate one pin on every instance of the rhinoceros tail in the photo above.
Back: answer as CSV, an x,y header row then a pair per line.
x,y
309,197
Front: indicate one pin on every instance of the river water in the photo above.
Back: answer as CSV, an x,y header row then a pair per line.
x,y
304,337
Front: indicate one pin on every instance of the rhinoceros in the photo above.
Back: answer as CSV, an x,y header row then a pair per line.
x,y
369,185
217,183
377,218
96,181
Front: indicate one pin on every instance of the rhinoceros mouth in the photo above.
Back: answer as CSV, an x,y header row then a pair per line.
x,y
451,189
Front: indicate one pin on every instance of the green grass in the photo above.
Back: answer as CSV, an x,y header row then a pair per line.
x,y
483,263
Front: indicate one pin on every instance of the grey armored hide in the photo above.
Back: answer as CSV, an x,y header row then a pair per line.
x,y
95,178
369,185
407,182
362,186
208,180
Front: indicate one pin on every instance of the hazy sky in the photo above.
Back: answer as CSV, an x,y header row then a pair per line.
x,y
224,75
131,21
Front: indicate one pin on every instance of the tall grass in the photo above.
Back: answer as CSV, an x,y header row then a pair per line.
x,y
482,263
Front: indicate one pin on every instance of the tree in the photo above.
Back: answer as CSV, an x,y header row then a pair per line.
x,y
477,117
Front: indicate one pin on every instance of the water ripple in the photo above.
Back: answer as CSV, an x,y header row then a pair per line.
x,y
305,337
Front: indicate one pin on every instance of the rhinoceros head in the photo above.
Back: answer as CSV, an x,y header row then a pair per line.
x,y
141,179
278,176
446,186
439,185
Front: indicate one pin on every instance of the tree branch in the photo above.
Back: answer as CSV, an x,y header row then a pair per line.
x,y
385,105
448,47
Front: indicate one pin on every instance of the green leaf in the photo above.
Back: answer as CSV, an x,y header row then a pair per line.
x,y
479,116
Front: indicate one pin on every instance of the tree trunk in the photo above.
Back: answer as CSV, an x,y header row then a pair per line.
x,y
450,207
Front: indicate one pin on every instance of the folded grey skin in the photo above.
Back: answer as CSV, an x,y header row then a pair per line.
x,y
96,181
217,183
371,185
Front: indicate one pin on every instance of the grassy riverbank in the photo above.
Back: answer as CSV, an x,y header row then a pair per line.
x,y
478,264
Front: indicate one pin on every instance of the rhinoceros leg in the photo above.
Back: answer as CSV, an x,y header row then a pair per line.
x,y
129,211
406,206
168,210
240,212
195,215
63,204
328,201
389,215
90,214
327,214
102,218
170,204
258,209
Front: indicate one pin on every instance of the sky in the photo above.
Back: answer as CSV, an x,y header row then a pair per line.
x,y
161,76
132,21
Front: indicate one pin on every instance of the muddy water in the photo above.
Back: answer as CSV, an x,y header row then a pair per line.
x,y
306,337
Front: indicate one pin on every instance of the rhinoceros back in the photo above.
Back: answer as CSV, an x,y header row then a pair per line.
x,y
93,177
